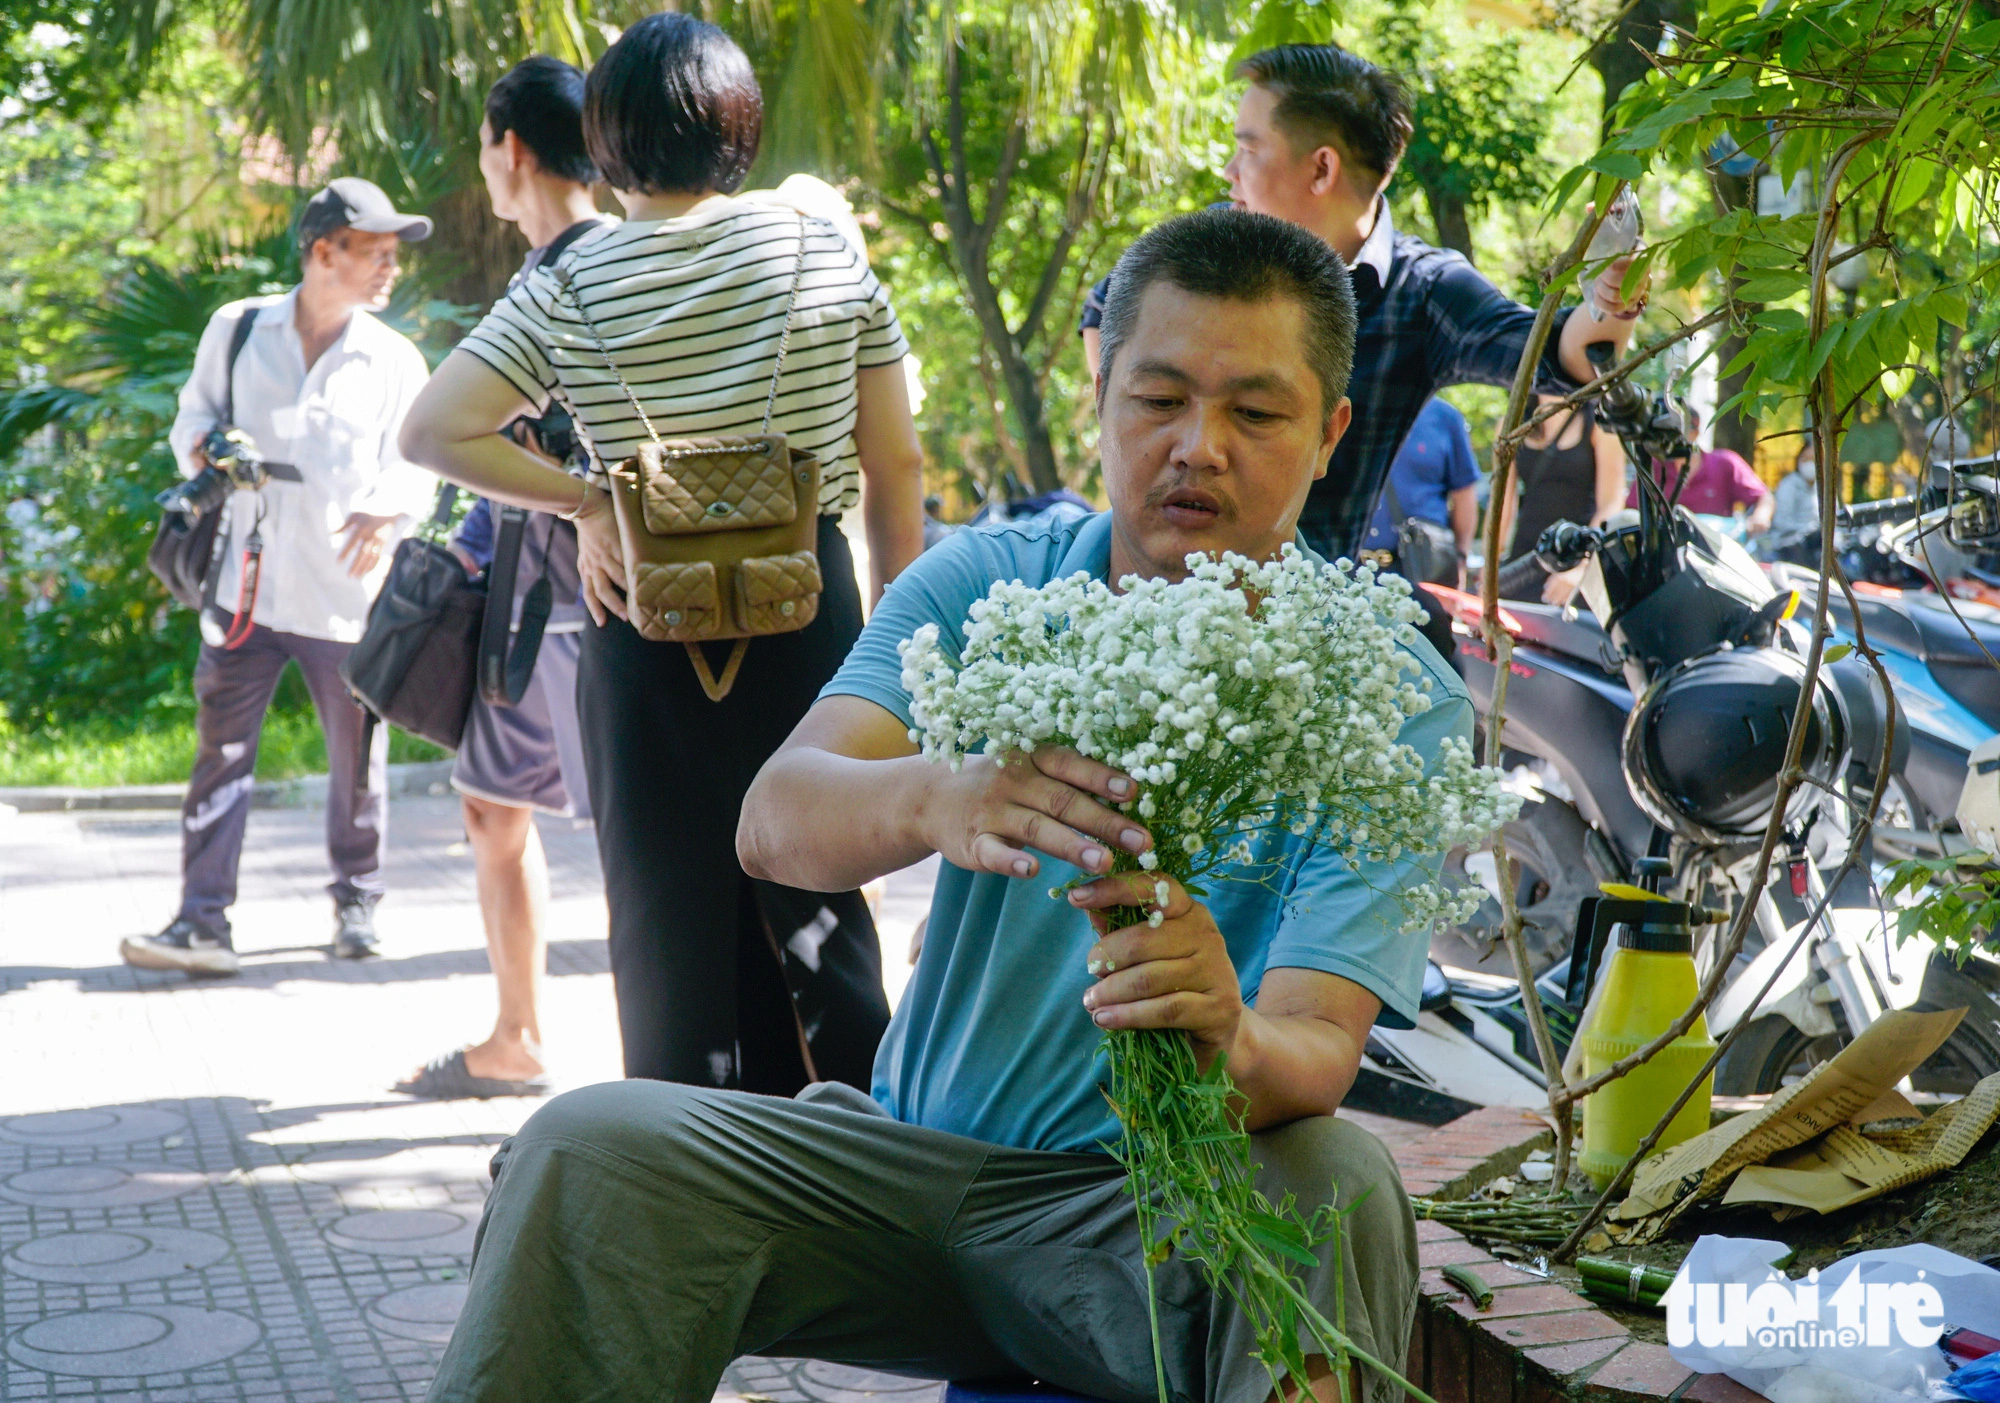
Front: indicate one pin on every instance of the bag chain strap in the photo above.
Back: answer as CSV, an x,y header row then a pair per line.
x,y
564,279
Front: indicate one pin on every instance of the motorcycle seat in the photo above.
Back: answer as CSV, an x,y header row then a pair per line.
x,y
1962,663
1959,662
1579,637
1945,639
1888,625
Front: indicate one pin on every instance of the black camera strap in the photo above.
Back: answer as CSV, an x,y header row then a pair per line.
x,y
503,671
239,337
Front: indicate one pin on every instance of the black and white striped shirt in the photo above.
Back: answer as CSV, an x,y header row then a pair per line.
x,y
691,310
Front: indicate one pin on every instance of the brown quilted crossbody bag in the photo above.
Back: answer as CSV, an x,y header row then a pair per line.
x,y
719,535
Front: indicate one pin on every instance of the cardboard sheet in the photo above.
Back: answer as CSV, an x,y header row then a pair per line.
x,y
1848,1167
1836,1171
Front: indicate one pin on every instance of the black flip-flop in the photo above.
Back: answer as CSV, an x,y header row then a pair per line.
x,y
446,1079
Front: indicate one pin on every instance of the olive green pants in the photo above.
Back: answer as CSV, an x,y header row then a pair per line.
x,y
643,1234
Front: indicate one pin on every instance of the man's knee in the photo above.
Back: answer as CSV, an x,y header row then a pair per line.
x,y
1327,1160
616,1116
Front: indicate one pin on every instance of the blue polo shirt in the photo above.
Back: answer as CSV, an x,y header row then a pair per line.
x,y
1434,462
992,1040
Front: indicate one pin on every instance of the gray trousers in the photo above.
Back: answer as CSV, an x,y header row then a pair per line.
x,y
642,1234
232,690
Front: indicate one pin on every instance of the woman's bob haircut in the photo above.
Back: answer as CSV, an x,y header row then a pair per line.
x,y
673,107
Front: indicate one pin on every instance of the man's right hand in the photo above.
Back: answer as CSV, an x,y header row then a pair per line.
x,y
985,816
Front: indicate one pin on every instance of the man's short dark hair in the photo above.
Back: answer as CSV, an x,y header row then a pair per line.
x,y
1241,257
673,106
540,100
1327,96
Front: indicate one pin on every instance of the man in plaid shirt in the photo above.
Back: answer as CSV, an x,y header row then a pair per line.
x,y
1318,134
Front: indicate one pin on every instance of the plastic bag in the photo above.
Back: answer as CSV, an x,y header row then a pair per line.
x,y
1861,1330
1979,1380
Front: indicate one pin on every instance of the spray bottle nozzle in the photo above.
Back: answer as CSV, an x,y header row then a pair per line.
x,y
1651,871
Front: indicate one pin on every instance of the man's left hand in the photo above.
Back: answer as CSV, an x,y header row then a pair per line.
x,y
1177,974
362,537
1606,289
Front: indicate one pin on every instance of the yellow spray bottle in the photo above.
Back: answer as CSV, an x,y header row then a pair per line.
x,y
1647,980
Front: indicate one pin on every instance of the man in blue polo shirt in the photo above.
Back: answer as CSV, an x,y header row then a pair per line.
x,y
1435,478
964,1221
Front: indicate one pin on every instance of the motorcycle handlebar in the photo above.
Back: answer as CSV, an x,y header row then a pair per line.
x,y
1887,509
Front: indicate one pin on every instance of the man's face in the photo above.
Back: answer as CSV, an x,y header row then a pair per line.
x,y
1211,430
502,173
357,268
1265,176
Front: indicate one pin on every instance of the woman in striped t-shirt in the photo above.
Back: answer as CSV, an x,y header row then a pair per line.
x,y
721,980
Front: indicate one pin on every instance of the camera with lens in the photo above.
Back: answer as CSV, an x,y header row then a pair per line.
x,y
552,434
233,464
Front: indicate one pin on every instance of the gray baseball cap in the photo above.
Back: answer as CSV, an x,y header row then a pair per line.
x,y
353,203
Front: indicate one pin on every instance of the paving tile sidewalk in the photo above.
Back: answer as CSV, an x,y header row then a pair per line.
x,y
206,1189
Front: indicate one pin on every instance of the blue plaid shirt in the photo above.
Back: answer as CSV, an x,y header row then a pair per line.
x,y
1427,319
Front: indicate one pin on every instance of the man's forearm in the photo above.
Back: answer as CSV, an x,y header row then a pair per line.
x,y
1287,1067
823,822
1464,518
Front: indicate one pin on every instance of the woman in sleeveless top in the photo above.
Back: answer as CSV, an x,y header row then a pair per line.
x,y
1569,469
720,980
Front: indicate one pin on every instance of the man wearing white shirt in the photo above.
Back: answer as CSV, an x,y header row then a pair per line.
x,y
321,387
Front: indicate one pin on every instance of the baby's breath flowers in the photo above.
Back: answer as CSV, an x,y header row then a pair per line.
x,y
1249,696
1247,700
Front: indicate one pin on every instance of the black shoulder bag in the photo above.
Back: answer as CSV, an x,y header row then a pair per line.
x,y
1426,553
414,666
184,554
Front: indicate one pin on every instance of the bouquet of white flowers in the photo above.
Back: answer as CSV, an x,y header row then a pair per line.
x,y
1246,697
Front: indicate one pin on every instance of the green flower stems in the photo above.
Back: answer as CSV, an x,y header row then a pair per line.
x,y
1538,1221
1188,1164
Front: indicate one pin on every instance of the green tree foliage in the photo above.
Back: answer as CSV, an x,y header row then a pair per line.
x,y
397,91
125,219
1481,117
85,628
1888,108
1010,133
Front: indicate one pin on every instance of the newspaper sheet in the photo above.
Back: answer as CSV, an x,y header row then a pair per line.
x,y
1671,1182
1848,1166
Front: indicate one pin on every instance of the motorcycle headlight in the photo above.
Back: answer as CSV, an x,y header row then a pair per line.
x,y
1705,744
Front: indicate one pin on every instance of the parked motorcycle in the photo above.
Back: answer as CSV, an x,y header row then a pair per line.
x,y
1655,727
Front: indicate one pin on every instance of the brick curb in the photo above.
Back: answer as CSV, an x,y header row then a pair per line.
x,y
1538,1342
307,791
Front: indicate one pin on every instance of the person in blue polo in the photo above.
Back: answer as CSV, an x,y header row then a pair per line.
x,y
964,1220
1434,478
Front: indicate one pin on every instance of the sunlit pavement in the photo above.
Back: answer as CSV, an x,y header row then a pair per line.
x,y
207,1190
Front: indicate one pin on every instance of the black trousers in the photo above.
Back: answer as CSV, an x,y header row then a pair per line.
x,y
722,980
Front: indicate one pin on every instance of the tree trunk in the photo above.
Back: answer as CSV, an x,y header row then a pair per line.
x,y
1622,59
1734,431
1454,227
971,241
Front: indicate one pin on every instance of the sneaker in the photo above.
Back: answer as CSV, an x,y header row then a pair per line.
x,y
184,946
355,937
